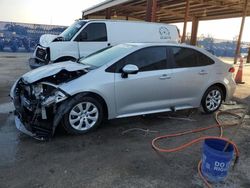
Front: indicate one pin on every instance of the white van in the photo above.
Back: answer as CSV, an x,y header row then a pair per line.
x,y
87,36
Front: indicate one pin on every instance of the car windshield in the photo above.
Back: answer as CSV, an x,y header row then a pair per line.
x,y
103,49
70,32
107,55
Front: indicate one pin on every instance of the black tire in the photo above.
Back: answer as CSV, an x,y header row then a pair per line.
x,y
1,46
14,46
72,103
205,100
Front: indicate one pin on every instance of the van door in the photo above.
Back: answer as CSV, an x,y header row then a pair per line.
x,y
148,90
93,37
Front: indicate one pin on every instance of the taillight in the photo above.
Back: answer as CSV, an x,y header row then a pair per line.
x,y
232,69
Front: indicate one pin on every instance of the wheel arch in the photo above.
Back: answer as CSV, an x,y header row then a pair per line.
x,y
221,86
64,107
100,99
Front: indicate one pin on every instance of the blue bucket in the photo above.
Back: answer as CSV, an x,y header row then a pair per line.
x,y
215,161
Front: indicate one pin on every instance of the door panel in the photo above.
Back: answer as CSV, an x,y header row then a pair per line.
x,y
188,85
86,48
191,72
144,91
92,38
148,89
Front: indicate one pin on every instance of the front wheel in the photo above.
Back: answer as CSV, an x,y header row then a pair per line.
x,y
84,115
212,99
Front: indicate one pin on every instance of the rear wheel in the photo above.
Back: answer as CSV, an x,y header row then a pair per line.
x,y
212,99
84,115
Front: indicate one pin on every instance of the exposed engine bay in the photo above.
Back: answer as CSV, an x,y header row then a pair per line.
x,y
37,103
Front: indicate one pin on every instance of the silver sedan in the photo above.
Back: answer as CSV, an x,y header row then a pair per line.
x,y
121,81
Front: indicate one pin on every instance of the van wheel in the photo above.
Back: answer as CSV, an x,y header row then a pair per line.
x,y
212,99
84,115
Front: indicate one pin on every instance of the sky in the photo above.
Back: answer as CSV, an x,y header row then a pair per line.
x,y
64,12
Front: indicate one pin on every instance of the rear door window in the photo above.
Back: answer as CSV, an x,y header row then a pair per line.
x,y
204,60
185,57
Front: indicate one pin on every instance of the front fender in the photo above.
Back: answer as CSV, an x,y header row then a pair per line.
x,y
63,108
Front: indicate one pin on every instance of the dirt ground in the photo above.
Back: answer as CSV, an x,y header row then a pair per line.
x,y
108,157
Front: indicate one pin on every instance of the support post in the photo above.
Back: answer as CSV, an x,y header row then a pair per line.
x,y
154,9
195,24
83,16
185,22
108,13
149,11
237,51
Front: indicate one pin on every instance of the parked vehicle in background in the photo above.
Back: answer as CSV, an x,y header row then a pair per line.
x,y
125,80
15,36
87,36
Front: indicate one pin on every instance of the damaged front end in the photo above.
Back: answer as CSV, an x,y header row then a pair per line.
x,y
36,103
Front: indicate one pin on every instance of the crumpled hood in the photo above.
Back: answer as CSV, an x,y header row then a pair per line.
x,y
46,39
52,69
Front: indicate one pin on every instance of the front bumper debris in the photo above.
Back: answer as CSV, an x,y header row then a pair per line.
x,y
21,127
35,109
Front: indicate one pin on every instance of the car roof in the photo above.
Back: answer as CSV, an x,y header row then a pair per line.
x,y
143,45
147,44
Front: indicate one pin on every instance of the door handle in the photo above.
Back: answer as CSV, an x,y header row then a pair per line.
x,y
203,72
165,76
108,44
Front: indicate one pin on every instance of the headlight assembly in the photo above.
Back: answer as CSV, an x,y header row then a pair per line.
x,y
37,89
59,96
48,93
56,97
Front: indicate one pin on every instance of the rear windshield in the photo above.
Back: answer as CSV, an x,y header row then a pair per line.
x,y
107,55
70,32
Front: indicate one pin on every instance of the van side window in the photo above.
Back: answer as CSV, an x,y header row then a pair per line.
x,y
94,32
147,59
186,57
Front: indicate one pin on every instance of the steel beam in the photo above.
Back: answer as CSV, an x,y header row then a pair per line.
x,y
195,25
154,9
185,22
108,13
149,11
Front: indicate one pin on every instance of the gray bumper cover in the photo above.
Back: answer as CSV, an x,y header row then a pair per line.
x,y
21,127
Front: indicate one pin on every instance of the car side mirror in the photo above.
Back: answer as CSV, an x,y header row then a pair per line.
x,y
129,69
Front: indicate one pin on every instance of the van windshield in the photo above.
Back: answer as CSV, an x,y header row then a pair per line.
x,y
70,32
107,55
